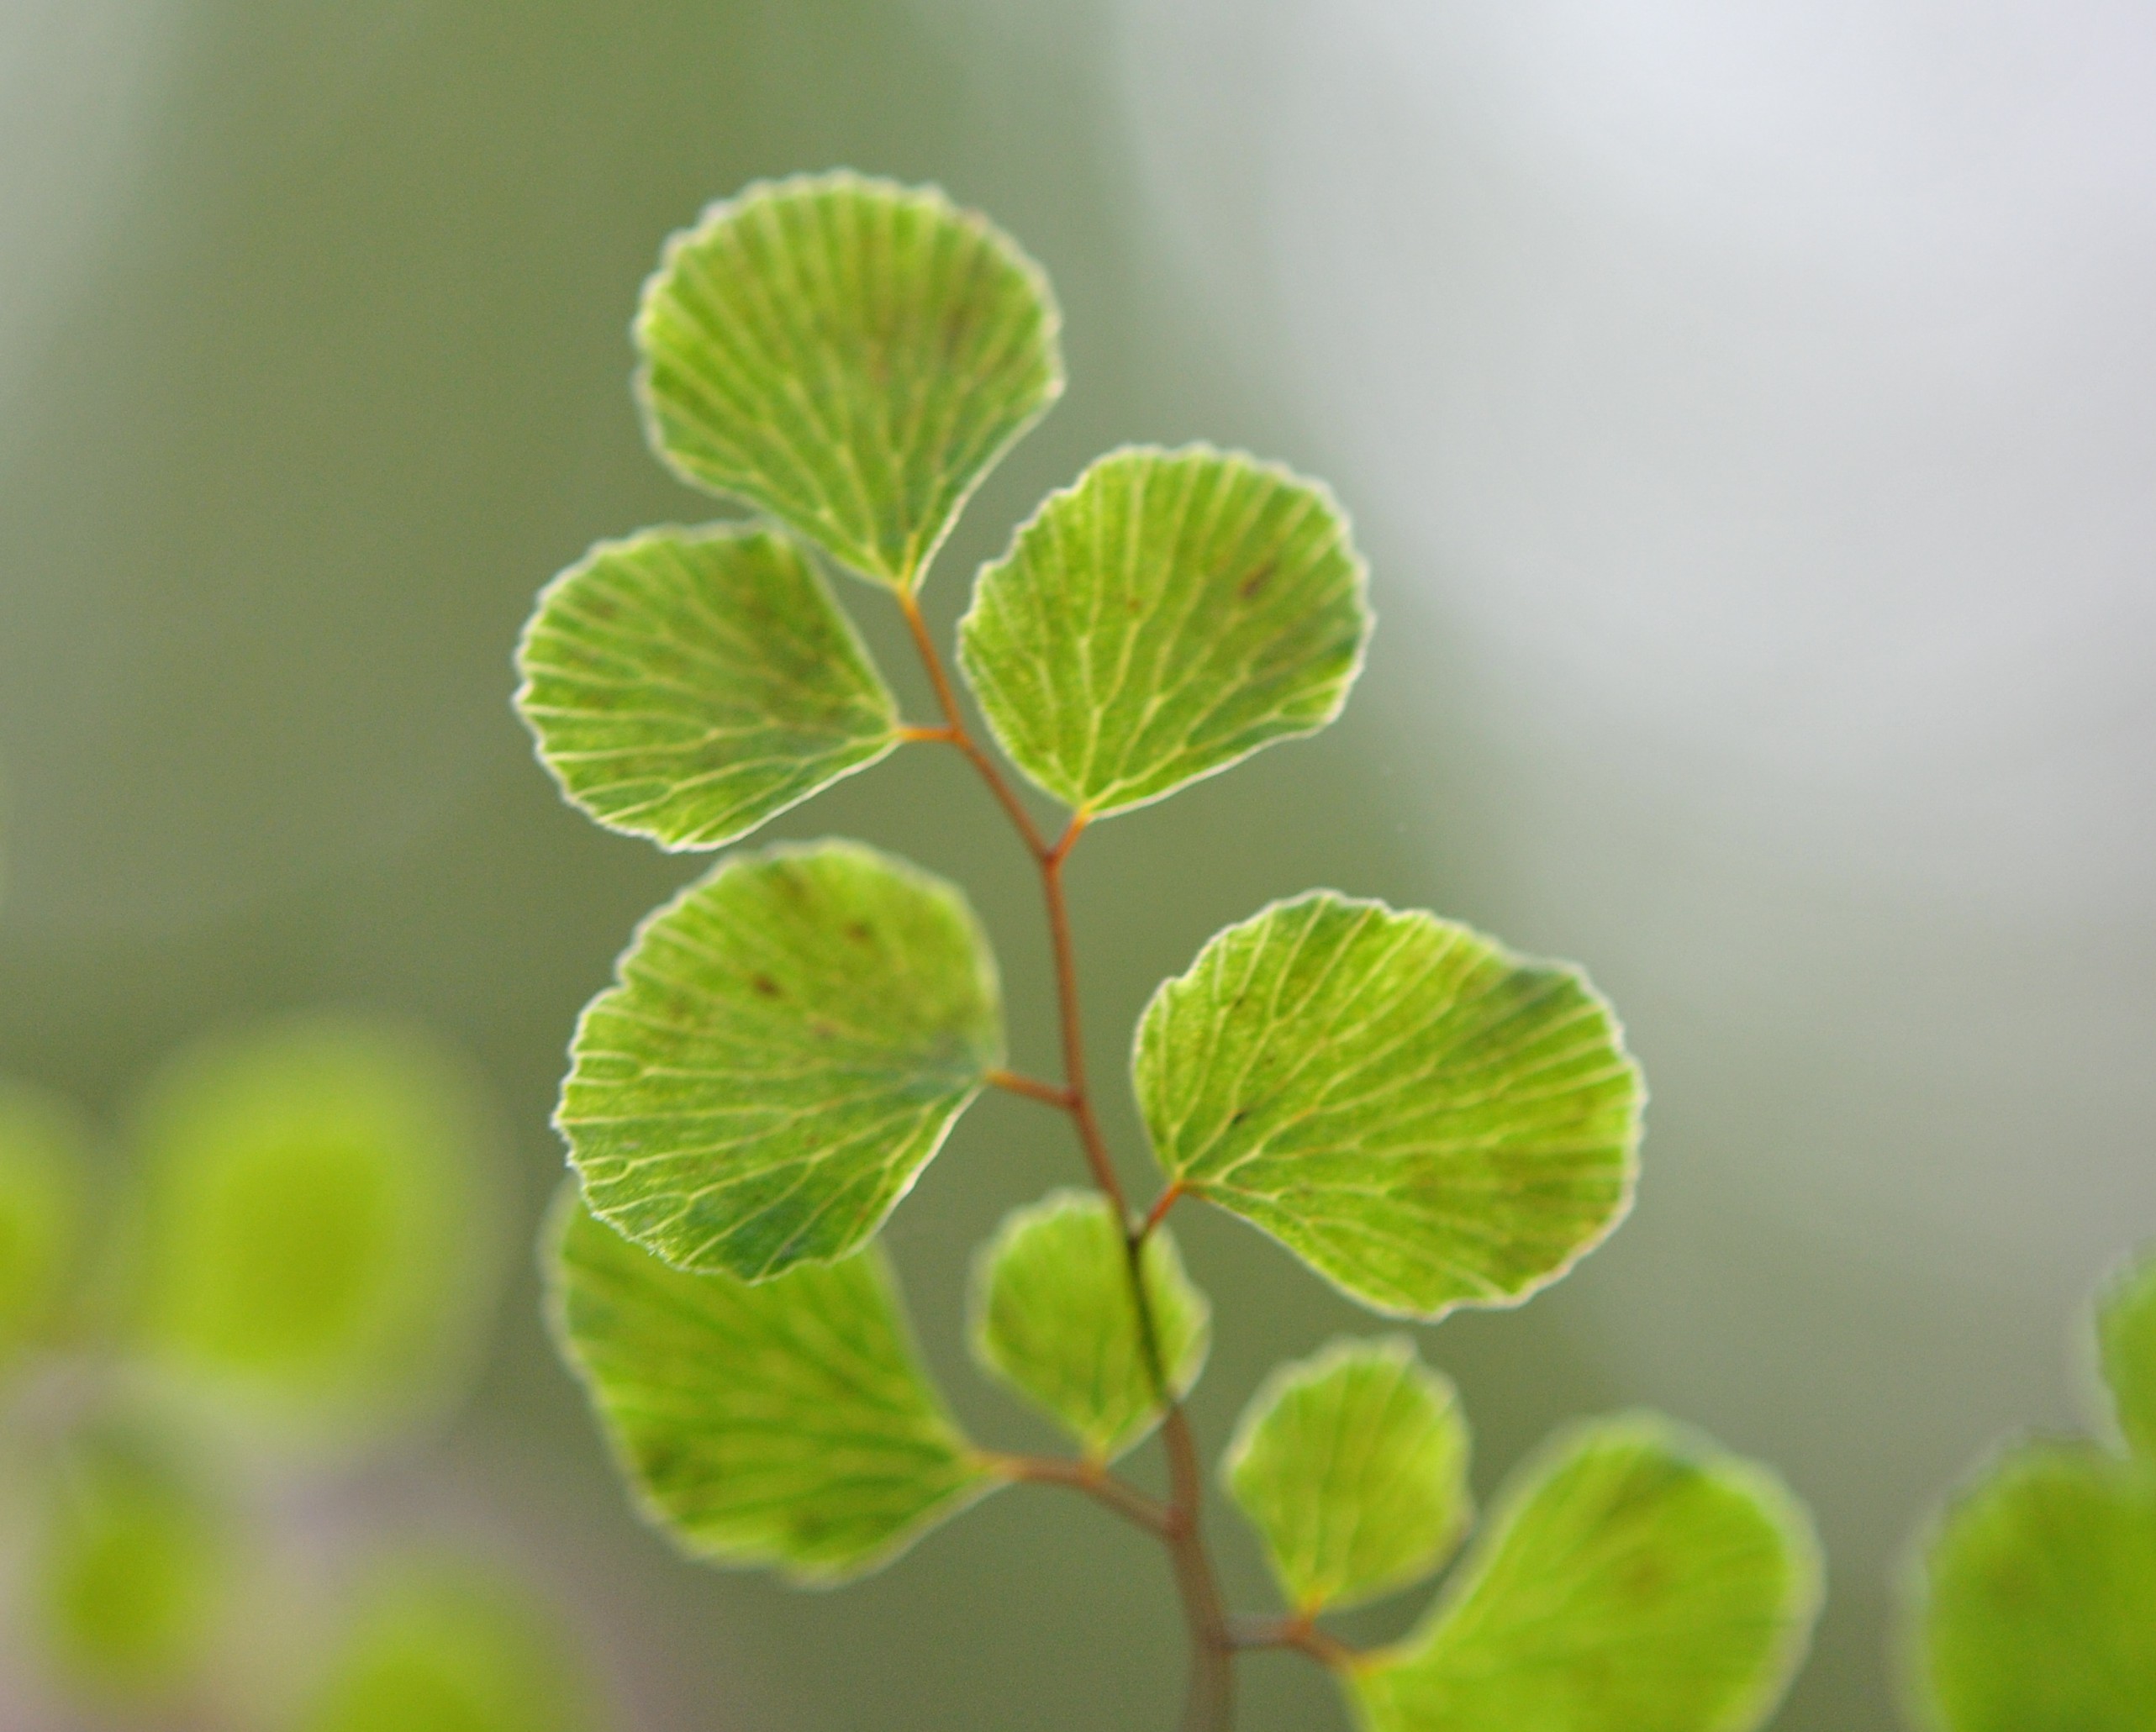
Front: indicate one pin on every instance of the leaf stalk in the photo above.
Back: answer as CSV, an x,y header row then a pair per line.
x,y
1209,1705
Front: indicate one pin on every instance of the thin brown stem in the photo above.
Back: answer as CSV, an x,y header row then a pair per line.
x,y
1210,1704
1158,1212
1094,1480
960,736
1298,1633
1032,1087
1071,1018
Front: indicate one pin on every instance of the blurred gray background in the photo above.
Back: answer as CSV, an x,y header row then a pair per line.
x,y
1746,410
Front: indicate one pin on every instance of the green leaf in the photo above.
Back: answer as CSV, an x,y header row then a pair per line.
x,y
1426,1119
687,685
1632,1578
1052,1318
322,1234
2126,1335
1164,619
43,1158
445,1647
2042,1603
1353,1466
132,1572
784,1423
791,1038
850,356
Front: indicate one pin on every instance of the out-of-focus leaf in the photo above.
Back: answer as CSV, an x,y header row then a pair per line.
x,y
321,1234
1164,619
1426,1119
43,1161
2041,1606
791,1039
1352,1464
785,1423
445,1647
850,356
1632,1578
2126,1336
1053,1317
687,685
132,1571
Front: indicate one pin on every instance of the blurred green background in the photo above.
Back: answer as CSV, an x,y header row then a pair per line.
x,y
314,364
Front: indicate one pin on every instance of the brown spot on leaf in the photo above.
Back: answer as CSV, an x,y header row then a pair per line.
x,y
766,987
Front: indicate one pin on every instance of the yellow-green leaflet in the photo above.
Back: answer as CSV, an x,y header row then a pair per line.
x,y
434,1645
44,1158
2040,1607
850,356
1162,618
1352,1466
1632,1577
132,1569
790,1041
2038,1612
1053,1319
784,1423
1426,1119
687,685
321,1229
2125,1351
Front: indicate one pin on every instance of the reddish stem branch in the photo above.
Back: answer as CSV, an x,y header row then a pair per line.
x,y
1158,1212
962,737
1095,1145
1209,1705
1298,1633
1095,1480
1032,1087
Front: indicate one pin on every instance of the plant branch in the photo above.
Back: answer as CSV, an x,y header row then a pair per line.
x,y
1210,1703
1092,1479
1095,1145
1158,1212
960,735
1298,1633
1032,1087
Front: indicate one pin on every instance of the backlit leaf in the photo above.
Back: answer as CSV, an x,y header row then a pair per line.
x,y
1053,1317
445,1647
322,1236
2041,1597
1632,1578
850,356
43,1160
1164,619
132,1572
784,1423
2126,1335
1352,1464
791,1038
687,685
1425,1118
